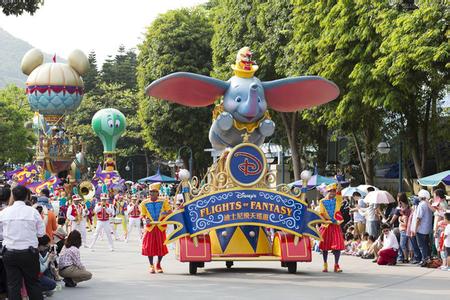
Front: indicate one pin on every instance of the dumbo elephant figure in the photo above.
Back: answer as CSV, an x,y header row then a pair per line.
x,y
243,115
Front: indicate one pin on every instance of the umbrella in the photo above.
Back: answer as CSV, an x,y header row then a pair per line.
x,y
348,191
435,179
315,181
379,197
363,187
158,177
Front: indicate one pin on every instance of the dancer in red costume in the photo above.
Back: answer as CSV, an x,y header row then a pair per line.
x,y
331,232
153,211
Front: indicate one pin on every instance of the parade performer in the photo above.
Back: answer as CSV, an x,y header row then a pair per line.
x,y
104,211
62,213
134,217
333,238
120,208
77,213
154,210
89,218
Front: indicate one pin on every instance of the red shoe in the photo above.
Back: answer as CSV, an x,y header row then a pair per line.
x,y
158,268
152,269
337,269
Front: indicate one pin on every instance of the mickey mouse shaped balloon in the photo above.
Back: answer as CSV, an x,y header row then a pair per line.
x,y
243,111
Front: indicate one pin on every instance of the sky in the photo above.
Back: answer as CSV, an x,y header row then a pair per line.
x,y
61,26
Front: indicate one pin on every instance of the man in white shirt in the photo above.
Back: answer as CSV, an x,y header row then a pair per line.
x,y
388,254
21,226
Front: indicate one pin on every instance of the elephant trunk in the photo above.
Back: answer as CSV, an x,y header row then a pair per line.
x,y
249,109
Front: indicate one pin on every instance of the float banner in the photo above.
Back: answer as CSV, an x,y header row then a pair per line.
x,y
24,175
236,207
52,183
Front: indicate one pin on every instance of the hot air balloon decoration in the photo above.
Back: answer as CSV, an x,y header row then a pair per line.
x,y
53,91
109,124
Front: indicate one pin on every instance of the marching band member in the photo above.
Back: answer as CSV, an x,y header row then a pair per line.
x,y
134,217
104,211
154,210
331,232
77,213
119,206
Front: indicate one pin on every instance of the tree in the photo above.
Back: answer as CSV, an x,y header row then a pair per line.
x,y
18,7
16,139
178,40
121,69
338,40
92,77
414,63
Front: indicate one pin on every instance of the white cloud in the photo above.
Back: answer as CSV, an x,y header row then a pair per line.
x,y
60,26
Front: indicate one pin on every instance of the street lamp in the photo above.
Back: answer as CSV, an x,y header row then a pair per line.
x,y
305,175
171,164
179,162
384,148
127,168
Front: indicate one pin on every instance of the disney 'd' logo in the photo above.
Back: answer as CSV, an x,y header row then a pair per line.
x,y
251,165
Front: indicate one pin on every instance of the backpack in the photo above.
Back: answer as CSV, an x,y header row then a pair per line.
x,y
434,263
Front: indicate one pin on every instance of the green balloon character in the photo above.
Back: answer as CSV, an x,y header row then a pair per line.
x,y
109,124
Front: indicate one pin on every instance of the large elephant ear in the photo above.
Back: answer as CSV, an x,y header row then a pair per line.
x,y
188,89
294,93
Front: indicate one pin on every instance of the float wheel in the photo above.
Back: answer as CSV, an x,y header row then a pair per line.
x,y
192,268
292,267
229,264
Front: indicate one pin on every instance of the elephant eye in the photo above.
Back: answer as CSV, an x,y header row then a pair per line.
x,y
110,123
238,99
117,123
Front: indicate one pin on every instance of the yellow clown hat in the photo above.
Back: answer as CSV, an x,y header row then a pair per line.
x,y
332,186
155,186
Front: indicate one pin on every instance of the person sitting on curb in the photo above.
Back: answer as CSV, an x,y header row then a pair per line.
x,y
46,258
388,253
70,266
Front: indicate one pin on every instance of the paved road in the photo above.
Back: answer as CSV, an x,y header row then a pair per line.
x,y
123,274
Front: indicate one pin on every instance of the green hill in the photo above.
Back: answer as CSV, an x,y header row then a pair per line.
x,y
12,50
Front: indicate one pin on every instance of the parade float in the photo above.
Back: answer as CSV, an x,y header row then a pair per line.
x,y
108,124
227,218
55,90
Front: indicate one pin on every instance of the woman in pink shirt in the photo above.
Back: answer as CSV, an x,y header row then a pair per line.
x,y
70,266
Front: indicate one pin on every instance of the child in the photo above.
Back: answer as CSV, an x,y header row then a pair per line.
x,y
356,244
369,253
59,236
446,246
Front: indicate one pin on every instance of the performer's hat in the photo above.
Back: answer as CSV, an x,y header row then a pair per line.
x,y
332,186
104,196
76,197
155,186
